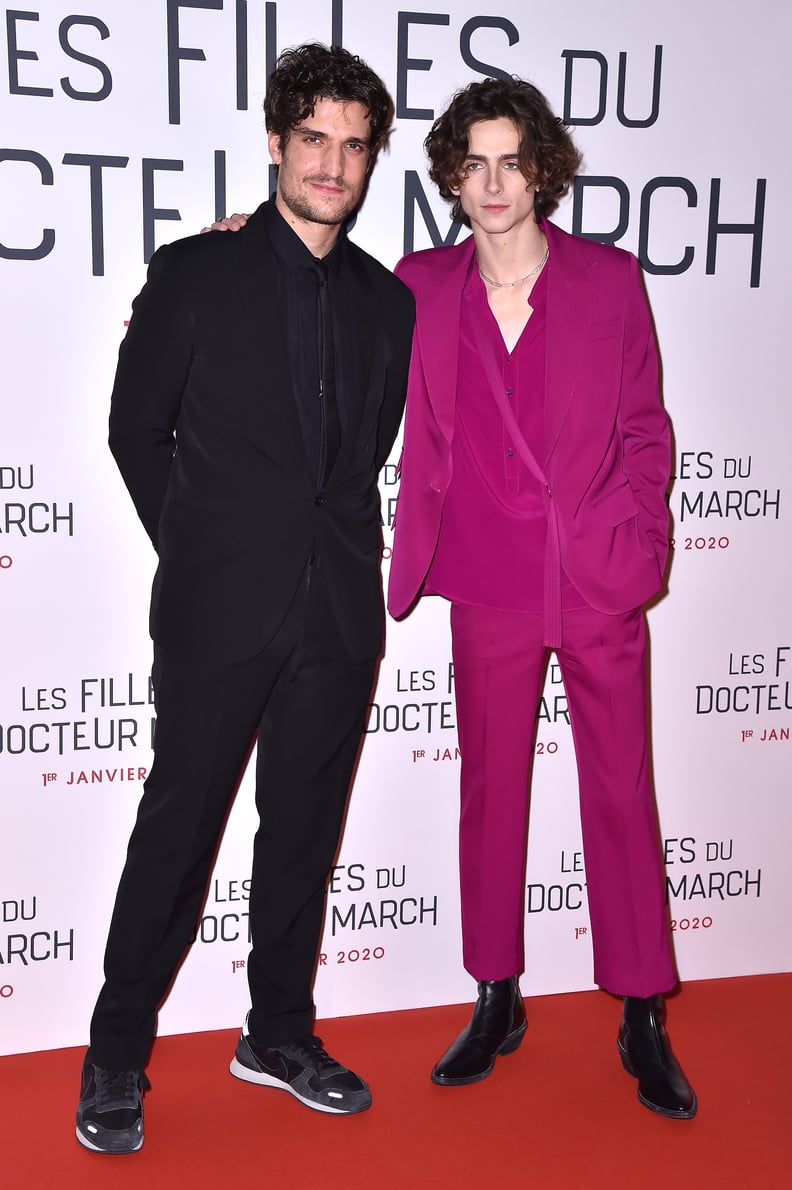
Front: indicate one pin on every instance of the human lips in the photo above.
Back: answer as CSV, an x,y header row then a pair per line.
x,y
327,186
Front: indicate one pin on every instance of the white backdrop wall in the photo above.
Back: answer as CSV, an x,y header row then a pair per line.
x,y
130,125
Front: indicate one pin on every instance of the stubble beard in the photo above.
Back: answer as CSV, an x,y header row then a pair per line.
x,y
301,205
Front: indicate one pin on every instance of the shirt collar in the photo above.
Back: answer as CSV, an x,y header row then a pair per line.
x,y
290,249
475,289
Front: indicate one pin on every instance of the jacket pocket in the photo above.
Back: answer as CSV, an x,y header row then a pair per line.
x,y
614,506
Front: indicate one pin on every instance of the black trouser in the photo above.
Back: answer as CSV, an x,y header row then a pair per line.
x,y
307,700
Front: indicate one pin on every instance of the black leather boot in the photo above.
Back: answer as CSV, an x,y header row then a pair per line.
x,y
646,1054
497,1027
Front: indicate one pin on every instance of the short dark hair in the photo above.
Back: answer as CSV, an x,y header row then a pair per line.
x,y
547,154
306,73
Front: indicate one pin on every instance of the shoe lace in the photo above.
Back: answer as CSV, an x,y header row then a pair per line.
x,y
116,1086
312,1048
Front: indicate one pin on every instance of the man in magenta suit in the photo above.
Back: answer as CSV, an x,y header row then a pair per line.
x,y
535,465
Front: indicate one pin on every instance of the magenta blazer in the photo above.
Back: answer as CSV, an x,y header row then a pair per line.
x,y
607,451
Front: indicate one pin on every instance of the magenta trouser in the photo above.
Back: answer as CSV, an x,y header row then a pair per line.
x,y
499,661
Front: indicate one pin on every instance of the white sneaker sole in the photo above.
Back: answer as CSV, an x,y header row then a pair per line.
x,y
260,1079
86,1144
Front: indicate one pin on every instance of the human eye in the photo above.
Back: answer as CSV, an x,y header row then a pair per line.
x,y
470,167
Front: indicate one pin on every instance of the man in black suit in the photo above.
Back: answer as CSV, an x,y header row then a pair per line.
x,y
258,393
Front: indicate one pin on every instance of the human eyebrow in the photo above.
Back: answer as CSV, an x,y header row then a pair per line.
x,y
361,141
500,157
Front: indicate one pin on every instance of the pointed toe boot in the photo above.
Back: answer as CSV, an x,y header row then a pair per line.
x,y
496,1027
646,1054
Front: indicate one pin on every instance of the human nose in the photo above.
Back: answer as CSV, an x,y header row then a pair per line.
x,y
493,181
333,160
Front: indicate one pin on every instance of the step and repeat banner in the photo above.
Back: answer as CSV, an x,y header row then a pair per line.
x,y
123,127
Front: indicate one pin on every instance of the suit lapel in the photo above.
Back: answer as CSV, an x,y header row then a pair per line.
x,y
360,340
571,294
440,306
572,289
359,343
261,313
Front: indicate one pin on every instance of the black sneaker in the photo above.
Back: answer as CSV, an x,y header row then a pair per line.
x,y
305,1069
110,1111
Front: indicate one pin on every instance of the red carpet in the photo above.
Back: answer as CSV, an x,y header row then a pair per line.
x,y
559,1114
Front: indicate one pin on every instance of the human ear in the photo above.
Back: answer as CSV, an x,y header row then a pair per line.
x,y
275,150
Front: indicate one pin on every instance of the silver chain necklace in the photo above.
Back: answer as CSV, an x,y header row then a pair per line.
x,y
520,280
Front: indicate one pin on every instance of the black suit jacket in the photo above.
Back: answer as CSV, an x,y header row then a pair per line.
x,y
205,429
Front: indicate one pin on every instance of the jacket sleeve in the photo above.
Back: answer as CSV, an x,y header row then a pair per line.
x,y
400,339
153,364
643,422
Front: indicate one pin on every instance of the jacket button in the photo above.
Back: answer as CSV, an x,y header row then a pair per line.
x,y
319,501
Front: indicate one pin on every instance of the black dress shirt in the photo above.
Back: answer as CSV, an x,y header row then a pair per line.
x,y
311,291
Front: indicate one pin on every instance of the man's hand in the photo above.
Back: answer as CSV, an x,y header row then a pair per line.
x,y
233,222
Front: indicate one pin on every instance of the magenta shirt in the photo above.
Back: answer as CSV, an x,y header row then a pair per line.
x,y
491,546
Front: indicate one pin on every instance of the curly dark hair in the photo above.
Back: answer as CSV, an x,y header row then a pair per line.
x,y
306,73
547,154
